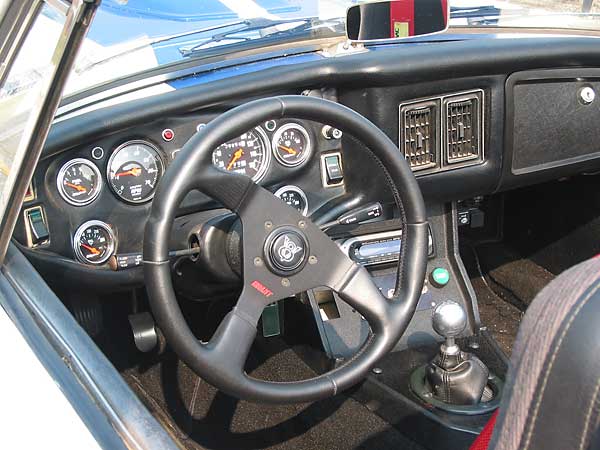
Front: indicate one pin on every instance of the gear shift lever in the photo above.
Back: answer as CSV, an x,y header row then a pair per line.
x,y
449,320
454,376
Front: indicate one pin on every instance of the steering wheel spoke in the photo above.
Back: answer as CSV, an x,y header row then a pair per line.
x,y
358,289
233,338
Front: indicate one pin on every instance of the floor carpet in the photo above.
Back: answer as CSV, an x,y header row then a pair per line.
x,y
200,417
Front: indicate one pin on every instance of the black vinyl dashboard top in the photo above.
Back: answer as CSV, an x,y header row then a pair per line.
x,y
373,82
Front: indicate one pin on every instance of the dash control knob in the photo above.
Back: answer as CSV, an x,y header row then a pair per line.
x,y
330,132
587,95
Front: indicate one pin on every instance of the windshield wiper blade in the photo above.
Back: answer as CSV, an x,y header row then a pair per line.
x,y
248,25
161,39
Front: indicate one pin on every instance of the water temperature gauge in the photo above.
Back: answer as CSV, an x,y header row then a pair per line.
x,y
291,144
294,197
94,242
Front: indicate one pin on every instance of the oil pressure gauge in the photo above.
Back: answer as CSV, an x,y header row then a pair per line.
x,y
79,182
294,197
94,242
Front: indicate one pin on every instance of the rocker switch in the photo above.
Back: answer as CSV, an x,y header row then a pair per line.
x,y
37,225
333,169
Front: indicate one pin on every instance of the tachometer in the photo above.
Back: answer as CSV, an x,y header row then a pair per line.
x,y
134,170
79,182
248,154
94,242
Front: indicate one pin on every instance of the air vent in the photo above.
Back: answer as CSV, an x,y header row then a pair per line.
x,y
418,134
463,128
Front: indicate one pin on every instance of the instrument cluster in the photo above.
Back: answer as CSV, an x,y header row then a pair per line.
x,y
128,171
135,167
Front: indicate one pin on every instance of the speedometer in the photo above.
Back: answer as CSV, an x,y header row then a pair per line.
x,y
248,154
134,170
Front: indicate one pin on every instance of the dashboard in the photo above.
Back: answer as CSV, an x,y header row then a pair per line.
x,y
93,200
483,121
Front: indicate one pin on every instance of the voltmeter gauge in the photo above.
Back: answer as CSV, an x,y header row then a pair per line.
x,y
291,144
294,197
94,242
79,182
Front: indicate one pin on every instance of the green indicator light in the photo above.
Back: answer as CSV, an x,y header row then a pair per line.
x,y
440,276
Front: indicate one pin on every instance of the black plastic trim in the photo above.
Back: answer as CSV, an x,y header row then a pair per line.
x,y
516,178
389,66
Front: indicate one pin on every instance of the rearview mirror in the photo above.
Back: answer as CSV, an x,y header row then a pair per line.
x,y
396,19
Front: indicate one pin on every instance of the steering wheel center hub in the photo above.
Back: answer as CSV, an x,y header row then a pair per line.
x,y
286,251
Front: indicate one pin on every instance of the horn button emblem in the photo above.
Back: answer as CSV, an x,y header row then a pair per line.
x,y
285,251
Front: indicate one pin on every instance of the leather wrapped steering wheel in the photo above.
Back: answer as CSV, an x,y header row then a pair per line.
x,y
284,253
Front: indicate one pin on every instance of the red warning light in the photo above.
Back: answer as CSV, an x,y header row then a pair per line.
x,y
168,134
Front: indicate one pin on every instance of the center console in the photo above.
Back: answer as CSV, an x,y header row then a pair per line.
x,y
405,386
343,330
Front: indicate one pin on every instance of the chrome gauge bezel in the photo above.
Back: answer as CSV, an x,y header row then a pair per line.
x,y
267,164
260,174
111,159
307,152
291,187
61,175
77,249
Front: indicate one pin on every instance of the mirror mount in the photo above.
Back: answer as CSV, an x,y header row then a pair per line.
x,y
392,20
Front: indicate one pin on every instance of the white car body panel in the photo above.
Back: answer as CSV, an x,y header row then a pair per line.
x,y
35,414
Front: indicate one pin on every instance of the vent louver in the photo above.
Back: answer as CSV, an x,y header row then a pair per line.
x,y
419,134
463,128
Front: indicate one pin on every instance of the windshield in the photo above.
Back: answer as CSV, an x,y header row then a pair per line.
x,y
131,36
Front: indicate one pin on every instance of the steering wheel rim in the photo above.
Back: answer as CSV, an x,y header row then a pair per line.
x,y
221,360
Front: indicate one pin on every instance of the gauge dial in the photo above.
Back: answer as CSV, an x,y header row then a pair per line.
x,y
248,155
94,242
294,197
291,144
134,170
79,182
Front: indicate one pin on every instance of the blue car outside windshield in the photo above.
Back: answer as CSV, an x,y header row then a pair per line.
x,y
132,36
117,22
